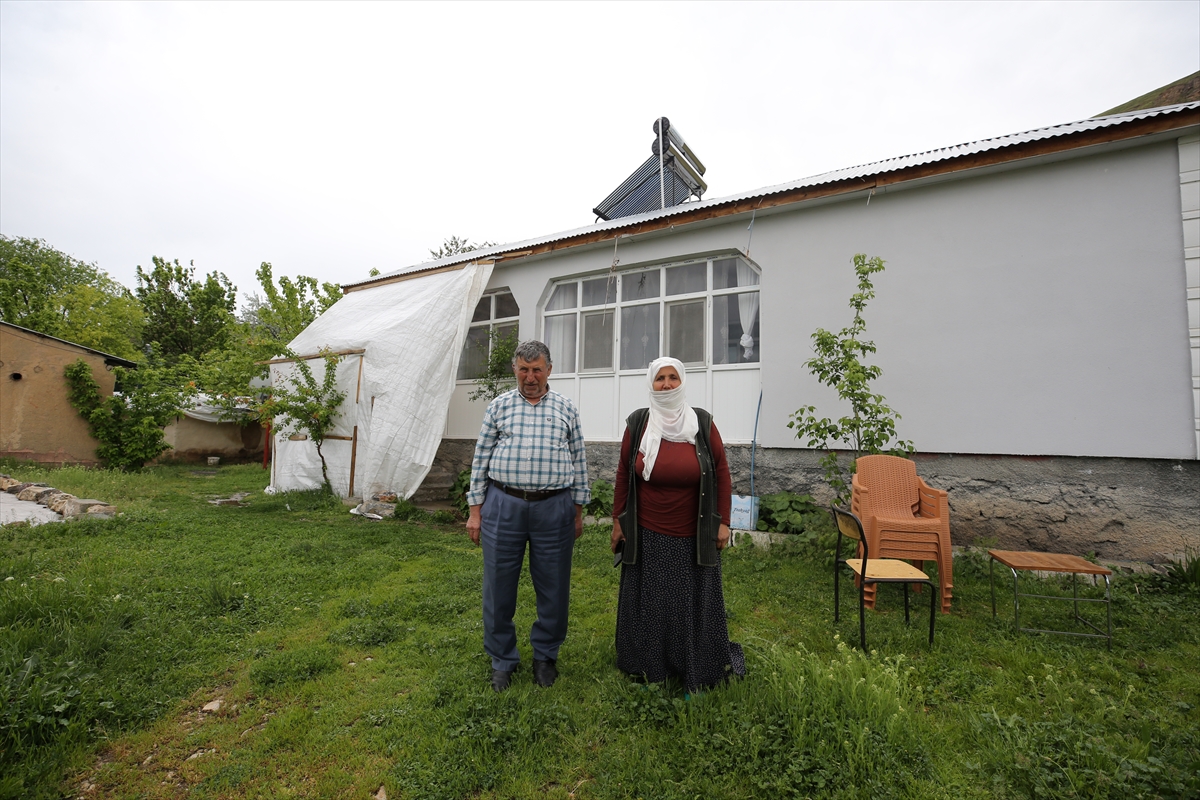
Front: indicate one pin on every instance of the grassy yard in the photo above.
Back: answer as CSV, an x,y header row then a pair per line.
x,y
347,656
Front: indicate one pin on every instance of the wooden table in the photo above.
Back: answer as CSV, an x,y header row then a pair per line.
x,y
1024,561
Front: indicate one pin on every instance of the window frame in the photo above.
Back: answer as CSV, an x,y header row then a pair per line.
x,y
491,323
616,305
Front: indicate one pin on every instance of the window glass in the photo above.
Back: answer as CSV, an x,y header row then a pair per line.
x,y
506,330
483,310
560,338
563,297
639,335
474,354
597,340
685,331
735,328
506,306
599,292
730,273
640,286
687,279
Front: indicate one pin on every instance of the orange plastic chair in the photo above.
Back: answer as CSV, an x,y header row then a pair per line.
x,y
903,517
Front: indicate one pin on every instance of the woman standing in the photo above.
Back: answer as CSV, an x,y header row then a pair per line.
x,y
671,517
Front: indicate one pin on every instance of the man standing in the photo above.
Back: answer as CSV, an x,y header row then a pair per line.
x,y
528,484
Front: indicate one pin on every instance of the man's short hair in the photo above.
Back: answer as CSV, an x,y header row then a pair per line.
x,y
531,351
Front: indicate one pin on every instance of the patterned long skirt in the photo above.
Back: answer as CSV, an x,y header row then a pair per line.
x,y
671,616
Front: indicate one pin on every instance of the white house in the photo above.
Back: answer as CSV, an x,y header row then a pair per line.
x,y
1038,324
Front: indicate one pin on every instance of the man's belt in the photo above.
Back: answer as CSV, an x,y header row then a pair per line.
x,y
526,494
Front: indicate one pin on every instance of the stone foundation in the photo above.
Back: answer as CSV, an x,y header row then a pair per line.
x,y
1117,508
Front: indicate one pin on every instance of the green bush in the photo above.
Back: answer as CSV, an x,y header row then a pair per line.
x,y
785,512
601,504
407,512
1185,574
458,492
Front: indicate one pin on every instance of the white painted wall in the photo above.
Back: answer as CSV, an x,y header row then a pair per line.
x,y
1040,311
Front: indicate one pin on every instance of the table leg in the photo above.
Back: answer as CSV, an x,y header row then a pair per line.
x,y
1108,606
1016,600
1075,594
992,581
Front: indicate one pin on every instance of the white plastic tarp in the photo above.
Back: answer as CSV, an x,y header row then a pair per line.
x,y
397,391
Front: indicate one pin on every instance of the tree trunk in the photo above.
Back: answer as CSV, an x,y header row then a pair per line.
x,y
324,469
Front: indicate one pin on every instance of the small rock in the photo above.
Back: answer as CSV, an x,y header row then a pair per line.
x,y
381,794
76,507
212,707
7,481
149,758
35,491
16,488
56,502
101,512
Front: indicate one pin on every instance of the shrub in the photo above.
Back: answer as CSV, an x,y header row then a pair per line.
x,y
458,492
407,512
1184,574
785,512
601,504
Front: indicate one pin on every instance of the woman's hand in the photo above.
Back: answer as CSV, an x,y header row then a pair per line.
x,y
722,537
617,535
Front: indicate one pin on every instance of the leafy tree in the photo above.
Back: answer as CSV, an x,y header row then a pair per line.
x,y
269,323
455,246
185,316
287,309
48,291
129,424
871,424
298,404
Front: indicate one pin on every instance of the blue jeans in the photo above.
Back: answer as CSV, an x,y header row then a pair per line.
x,y
506,524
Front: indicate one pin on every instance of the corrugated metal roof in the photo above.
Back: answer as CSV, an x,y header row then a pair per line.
x,y
862,171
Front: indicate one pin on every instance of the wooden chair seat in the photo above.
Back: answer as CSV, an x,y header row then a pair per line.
x,y
887,569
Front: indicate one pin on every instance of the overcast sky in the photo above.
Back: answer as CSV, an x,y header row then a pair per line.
x,y
332,138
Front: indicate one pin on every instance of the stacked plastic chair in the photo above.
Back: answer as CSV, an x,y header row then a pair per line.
x,y
903,517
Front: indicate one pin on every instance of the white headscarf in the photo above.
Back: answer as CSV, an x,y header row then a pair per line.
x,y
671,418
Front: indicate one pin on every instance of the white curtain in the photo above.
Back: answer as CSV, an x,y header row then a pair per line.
x,y
560,338
747,306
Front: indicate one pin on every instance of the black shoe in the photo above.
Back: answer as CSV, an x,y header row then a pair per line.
x,y
544,672
501,678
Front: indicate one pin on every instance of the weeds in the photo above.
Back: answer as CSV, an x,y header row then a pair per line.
x,y
601,504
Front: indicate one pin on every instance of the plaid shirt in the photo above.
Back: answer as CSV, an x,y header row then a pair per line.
x,y
533,447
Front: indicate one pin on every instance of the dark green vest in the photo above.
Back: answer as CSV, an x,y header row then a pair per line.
x,y
708,520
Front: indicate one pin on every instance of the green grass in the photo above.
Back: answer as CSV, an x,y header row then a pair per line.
x,y
348,655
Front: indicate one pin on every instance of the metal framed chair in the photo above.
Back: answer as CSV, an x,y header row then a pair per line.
x,y
872,571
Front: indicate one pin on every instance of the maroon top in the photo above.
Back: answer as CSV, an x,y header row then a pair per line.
x,y
669,502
